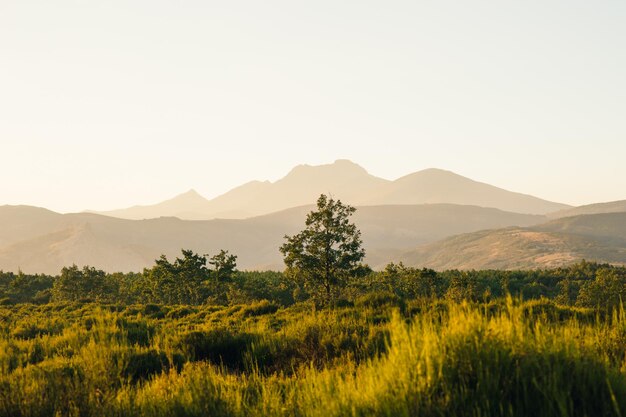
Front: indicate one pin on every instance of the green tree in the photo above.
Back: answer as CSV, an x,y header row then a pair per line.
x,y
608,290
224,266
89,283
178,282
328,251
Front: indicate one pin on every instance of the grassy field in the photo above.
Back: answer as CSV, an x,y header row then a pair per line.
x,y
379,357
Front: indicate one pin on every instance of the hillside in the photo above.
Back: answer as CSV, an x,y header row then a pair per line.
x,y
600,237
439,186
347,181
38,240
598,208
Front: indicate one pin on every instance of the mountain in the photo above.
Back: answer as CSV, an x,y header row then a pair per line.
x,y
598,208
347,181
439,186
38,240
599,237
608,227
189,205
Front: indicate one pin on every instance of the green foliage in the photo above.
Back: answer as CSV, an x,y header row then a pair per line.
x,y
219,346
259,309
607,290
179,282
87,284
502,358
251,286
224,266
583,284
328,251
379,299
143,364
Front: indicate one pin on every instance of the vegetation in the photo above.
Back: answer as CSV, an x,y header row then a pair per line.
x,y
187,280
196,337
503,357
402,341
327,252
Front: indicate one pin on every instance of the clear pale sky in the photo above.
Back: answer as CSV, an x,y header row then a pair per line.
x,y
106,104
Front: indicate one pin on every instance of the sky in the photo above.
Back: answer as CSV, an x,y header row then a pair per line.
x,y
108,104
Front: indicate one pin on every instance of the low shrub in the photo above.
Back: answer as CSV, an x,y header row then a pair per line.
x,y
380,299
143,364
260,308
179,312
219,346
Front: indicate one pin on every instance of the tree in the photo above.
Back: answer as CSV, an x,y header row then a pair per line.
x,y
180,282
607,291
89,283
222,275
328,251
224,266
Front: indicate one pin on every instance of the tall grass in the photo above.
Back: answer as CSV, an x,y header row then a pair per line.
x,y
506,358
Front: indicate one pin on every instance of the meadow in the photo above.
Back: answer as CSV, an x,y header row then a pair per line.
x,y
379,356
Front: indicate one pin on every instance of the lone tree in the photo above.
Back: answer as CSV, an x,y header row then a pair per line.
x,y
328,251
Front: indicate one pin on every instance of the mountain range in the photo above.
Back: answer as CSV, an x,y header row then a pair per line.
x,y
38,240
431,218
346,181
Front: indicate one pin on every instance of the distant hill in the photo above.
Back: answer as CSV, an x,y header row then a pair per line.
x,y
599,237
439,186
598,208
608,227
347,181
38,240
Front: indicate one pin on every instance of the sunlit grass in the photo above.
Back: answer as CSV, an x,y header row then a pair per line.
x,y
507,358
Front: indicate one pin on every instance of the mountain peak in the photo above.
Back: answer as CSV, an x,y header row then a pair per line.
x,y
346,162
340,167
431,172
192,194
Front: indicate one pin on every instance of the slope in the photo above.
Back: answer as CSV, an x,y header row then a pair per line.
x,y
598,208
117,244
599,237
344,180
440,186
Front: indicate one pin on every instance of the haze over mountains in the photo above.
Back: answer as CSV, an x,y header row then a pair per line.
x,y
38,240
597,237
431,218
347,181
598,208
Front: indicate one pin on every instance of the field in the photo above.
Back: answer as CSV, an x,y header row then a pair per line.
x,y
380,356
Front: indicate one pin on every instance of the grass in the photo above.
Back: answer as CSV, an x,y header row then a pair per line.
x,y
502,358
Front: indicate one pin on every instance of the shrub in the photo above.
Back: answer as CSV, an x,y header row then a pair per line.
x,y
154,310
137,332
36,353
380,299
28,331
218,346
142,365
258,309
6,301
179,312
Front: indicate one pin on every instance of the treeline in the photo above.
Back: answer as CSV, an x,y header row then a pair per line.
x,y
196,279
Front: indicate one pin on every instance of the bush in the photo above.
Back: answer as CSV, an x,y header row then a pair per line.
x,y
142,365
137,332
154,311
28,331
218,346
180,312
258,309
380,299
